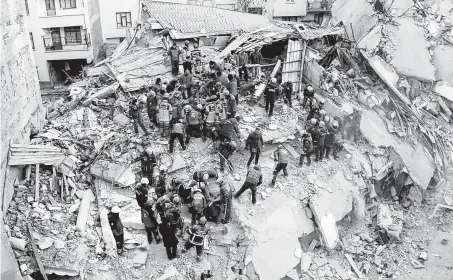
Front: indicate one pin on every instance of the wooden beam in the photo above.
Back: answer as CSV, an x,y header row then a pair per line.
x,y
35,252
37,183
28,172
65,182
302,65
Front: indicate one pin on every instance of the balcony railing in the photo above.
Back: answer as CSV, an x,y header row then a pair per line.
x,y
67,43
51,13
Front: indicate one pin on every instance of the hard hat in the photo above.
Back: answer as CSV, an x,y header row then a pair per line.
x,y
176,199
313,121
322,112
226,92
233,73
116,209
149,150
202,221
203,101
180,120
322,101
257,167
322,124
232,143
306,135
143,99
163,168
218,84
205,177
199,106
310,88
186,42
152,93
273,80
335,124
219,181
196,190
144,181
166,96
280,146
326,118
195,45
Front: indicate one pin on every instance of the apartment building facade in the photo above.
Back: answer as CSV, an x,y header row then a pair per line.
x,y
65,35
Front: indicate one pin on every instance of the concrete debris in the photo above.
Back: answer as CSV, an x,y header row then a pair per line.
x,y
84,210
416,264
305,262
17,243
102,93
169,273
45,243
293,274
121,120
444,89
298,253
113,172
354,265
140,258
423,256
335,265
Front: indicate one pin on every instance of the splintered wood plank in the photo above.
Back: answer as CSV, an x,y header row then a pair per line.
x,y
37,183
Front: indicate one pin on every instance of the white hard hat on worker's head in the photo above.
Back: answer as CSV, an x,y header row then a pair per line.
x,y
166,96
199,106
196,190
144,181
313,121
116,210
310,88
335,124
273,80
203,221
163,168
149,150
233,143
322,124
205,177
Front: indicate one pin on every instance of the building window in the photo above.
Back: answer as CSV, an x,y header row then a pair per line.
x,y
50,5
258,11
73,34
26,8
32,42
123,20
289,19
68,4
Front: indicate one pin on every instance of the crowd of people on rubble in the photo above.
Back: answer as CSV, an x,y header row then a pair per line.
x,y
202,102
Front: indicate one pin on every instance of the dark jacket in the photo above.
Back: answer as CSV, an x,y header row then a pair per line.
x,y
198,175
254,177
256,58
229,128
272,92
226,149
307,145
148,217
168,235
115,224
151,103
223,79
233,87
174,53
322,136
254,140
186,80
134,110
141,194
148,163
243,59
330,136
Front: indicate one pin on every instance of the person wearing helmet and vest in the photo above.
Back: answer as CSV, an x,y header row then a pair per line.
x,y
226,149
151,107
161,187
135,109
200,178
282,158
271,94
197,235
307,149
150,221
141,192
309,94
253,179
198,204
194,121
165,111
117,228
177,133
254,141
224,199
174,52
288,92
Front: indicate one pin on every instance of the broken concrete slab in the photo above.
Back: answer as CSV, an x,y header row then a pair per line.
x,y
45,243
178,163
444,89
443,60
398,8
411,57
121,120
113,172
84,210
291,150
385,221
169,273
371,40
334,264
104,92
140,258
305,262
293,274
326,223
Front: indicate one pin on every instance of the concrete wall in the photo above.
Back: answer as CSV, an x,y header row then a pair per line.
x,y
287,8
108,10
95,27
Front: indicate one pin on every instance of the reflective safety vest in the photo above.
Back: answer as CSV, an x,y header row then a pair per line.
x,y
253,176
221,109
164,111
211,114
178,128
194,117
282,156
198,202
197,236
175,108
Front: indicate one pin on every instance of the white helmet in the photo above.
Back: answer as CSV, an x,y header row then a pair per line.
x,y
322,124
310,88
116,209
205,177
144,181
273,80
163,168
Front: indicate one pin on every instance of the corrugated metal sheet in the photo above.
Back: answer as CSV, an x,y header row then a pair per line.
x,y
291,68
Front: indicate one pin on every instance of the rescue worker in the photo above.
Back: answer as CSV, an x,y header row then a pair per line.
x,y
255,142
281,157
187,81
201,177
197,236
288,91
161,187
309,94
209,120
340,121
198,204
187,64
177,133
226,149
117,228
352,125
135,113
175,185
319,147
230,129
165,111
186,49
168,230
307,149
233,87
174,54
331,131
148,162
252,181
314,113
230,105
151,107
221,109
141,192
271,94
175,103
150,222
222,78
194,121
224,199
337,140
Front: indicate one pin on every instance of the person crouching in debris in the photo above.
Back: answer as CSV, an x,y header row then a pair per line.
x,y
151,107
197,236
174,54
141,192
165,111
307,149
117,228
255,142
198,204
177,133
150,221
200,178
288,91
224,199
271,94
226,149
252,181
309,94
281,157
194,121
135,113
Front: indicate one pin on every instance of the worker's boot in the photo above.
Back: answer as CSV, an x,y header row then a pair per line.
x,y
199,258
274,179
285,172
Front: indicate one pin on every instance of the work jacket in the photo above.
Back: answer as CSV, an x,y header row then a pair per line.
x,y
255,140
307,145
151,103
226,149
243,59
148,217
115,224
197,234
233,87
271,92
281,155
254,177
198,202
186,80
194,117
178,128
229,128
174,53
141,194
256,58
198,175
231,104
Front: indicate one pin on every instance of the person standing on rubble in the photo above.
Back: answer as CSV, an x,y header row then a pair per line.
x,y
165,111
281,157
256,58
222,78
309,94
141,192
177,133
352,125
117,228
176,107
171,223
230,105
226,149
331,131
197,236
151,107
214,67
233,87
210,117
243,61
174,52
271,94
255,142
148,162
337,140
194,121
288,91
252,181
187,80
319,147
135,113
150,221
307,149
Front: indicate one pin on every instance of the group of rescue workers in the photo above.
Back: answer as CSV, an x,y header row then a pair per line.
x,y
187,108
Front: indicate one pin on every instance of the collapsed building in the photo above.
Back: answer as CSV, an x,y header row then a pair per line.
x,y
84,161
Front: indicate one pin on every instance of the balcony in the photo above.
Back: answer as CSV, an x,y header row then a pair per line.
x,y
58,44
